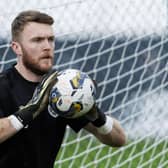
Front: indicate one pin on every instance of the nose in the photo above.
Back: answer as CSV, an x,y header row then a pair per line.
x,y
47,45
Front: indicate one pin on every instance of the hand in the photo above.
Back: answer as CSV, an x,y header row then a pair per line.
x,y
96,117
39,99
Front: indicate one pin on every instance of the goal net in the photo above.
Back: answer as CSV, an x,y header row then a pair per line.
x,y
123,45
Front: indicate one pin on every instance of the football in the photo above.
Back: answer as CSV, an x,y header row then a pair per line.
x,y
73,95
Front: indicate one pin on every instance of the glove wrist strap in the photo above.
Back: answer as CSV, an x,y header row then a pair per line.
x,y
24,116
101,119
15,122
103,123
107,127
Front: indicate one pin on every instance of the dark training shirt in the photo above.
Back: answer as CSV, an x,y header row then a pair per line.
x,y
37,145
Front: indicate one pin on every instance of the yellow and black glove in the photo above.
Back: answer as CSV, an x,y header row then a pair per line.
x,y
39,100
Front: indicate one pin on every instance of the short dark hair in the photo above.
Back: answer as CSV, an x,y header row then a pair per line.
x,y
24,17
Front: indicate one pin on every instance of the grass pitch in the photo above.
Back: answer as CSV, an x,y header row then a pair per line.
x,y
89,153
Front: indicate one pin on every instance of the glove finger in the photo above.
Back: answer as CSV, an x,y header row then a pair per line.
x,y
49,77
47,82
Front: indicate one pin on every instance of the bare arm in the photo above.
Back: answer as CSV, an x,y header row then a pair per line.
x,y
6,129
116,138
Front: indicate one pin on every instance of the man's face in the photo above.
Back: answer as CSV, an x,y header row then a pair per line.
x,y
37,46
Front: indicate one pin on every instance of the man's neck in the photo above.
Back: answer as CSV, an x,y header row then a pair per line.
x,y
27,74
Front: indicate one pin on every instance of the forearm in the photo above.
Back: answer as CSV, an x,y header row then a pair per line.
x,y
115,138
6,129
12,124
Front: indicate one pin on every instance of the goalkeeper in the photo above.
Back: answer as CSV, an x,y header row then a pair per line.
x,y
29,136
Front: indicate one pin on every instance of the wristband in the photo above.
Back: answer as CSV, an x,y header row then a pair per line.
x,y
15,122
25,116
107,127
101,119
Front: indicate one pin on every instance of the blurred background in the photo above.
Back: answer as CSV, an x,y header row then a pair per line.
x,y
123,45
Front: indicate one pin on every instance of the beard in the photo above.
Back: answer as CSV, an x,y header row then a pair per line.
x,y
34,68
34,65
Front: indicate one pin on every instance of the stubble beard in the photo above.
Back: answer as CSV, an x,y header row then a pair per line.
x,y
34,66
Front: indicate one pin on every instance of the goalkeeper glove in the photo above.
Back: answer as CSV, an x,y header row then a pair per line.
x,y
38,102
103,123
97,117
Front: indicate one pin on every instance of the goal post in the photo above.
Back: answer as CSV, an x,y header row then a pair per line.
x,y
123,45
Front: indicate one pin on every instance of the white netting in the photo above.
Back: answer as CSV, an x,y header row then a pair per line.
x,y
123,45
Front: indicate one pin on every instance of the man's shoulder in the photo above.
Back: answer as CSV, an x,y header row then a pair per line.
x,y
7,103
5,82
4,77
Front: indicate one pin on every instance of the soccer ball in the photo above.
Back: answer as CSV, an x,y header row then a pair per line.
x,y
73,95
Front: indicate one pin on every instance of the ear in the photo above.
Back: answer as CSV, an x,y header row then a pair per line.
x,y
16,48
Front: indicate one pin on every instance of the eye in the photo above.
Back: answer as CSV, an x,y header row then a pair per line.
x,y
51,39
37,39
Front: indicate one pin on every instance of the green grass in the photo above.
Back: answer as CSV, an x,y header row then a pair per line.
x,y
147,153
